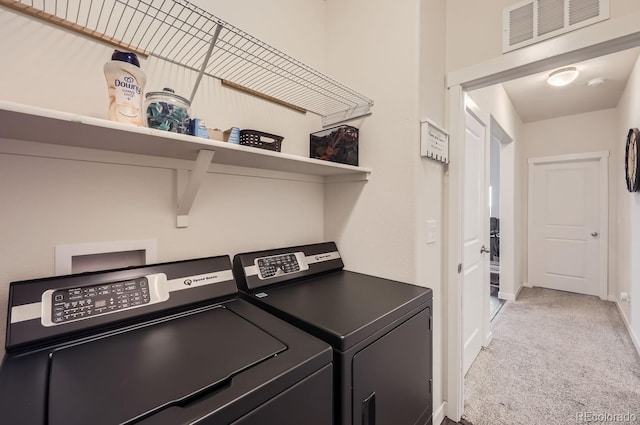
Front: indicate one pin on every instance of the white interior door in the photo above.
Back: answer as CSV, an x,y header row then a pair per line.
x,y
475,260
564,226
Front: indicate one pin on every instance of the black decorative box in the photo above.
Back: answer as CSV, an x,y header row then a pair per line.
x,y
262,140
336,144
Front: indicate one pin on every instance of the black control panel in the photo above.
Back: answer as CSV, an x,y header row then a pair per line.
x,y
79,303
278,264
57,308
260,269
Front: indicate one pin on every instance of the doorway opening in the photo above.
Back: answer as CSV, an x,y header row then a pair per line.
x,y
460,84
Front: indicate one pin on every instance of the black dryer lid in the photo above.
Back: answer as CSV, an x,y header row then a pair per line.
x,y
343,308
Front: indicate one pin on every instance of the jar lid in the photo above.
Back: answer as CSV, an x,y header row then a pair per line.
x,y
128,57
170,93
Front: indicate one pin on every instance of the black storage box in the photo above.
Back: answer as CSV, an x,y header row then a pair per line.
x,y
260,139
336,144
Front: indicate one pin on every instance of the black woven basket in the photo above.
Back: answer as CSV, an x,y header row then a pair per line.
x,y
258,139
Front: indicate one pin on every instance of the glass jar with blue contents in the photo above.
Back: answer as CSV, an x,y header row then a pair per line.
x,y
168,111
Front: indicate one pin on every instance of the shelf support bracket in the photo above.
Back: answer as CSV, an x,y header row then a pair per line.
x,y
193,185
205,62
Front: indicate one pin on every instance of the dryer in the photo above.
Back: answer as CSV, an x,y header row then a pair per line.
x,y
380,329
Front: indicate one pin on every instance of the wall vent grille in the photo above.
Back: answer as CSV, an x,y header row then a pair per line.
x,y
531,21
581,10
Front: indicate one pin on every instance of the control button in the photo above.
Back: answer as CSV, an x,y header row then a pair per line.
x,y
58,314
59,297
58,319
143,283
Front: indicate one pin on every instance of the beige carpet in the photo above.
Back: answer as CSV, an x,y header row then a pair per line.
x,y
556,358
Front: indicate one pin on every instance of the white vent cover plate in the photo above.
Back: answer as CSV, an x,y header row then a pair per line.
x,y
530,21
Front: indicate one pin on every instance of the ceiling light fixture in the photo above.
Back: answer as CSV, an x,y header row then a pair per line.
x,y
563,77
595,82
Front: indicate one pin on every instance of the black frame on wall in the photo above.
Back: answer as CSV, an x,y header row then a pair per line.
x,y
632,161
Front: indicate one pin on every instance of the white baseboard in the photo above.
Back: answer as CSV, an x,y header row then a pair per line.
x,y
488,338
627,324
438,414
508,296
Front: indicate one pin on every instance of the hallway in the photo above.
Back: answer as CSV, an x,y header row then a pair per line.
x,y
556,358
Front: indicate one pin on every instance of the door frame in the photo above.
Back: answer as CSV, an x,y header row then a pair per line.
x,y
597,40
508,252
603,165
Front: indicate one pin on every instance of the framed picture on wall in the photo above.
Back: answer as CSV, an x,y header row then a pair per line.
x,y
632,161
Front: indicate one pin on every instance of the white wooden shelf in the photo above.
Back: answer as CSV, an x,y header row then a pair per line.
x,y
34,124
23,122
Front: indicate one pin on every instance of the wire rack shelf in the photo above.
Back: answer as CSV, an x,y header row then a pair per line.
x,y
187,35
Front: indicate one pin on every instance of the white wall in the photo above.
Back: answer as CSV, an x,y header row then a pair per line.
x,y
627,225
48,201
429,188
394,53
589,132
474,29
375,222
494,179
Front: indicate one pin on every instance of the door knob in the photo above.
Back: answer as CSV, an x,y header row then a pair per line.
x,y
484,250
594,234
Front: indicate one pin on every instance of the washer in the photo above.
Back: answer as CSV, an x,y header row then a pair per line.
x,y
162,344
380,329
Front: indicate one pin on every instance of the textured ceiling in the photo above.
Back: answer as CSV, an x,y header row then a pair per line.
x,y
535,100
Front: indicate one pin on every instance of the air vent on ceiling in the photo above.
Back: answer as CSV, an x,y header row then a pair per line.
x,y
530,21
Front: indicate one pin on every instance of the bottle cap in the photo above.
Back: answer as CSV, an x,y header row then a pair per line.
x,y
128,57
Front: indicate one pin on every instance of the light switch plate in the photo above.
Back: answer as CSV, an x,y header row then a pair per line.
x,y
432,231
